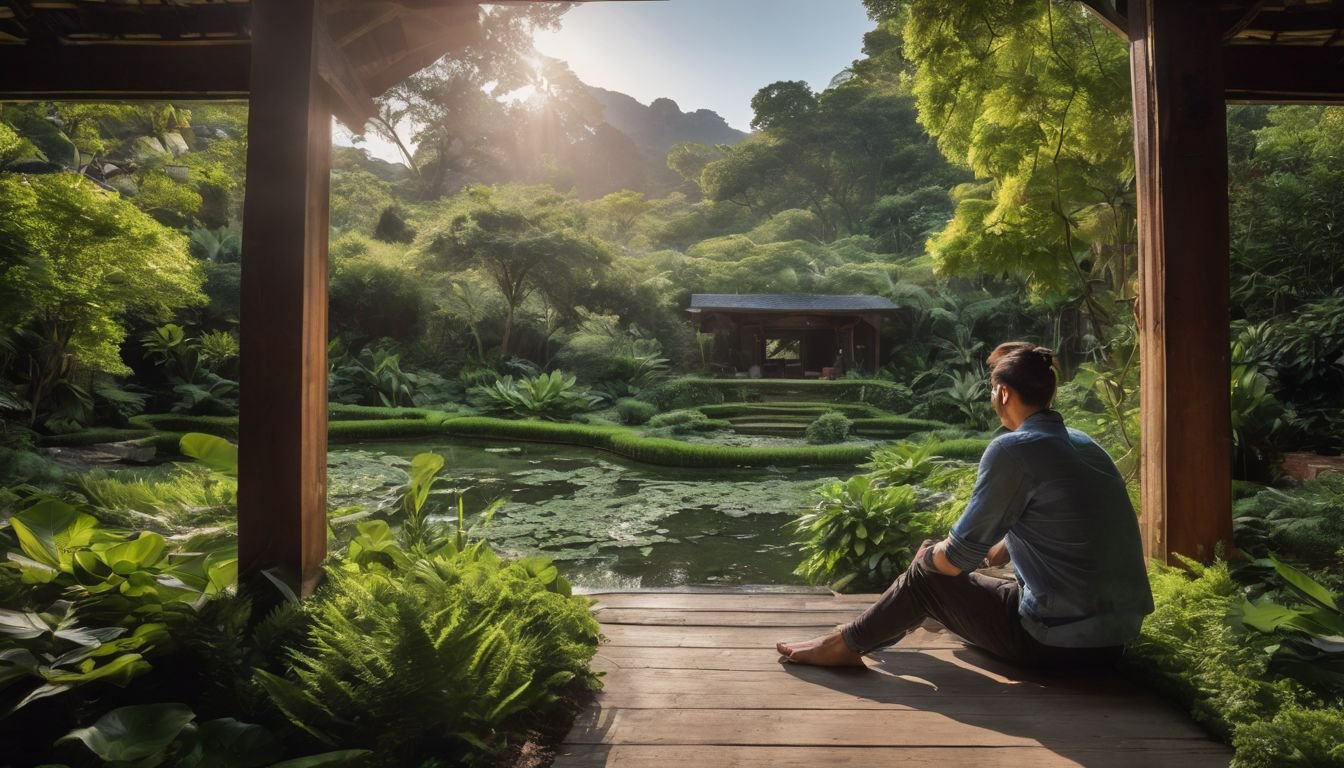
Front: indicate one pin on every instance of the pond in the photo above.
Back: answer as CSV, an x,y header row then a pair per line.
x,y
608,523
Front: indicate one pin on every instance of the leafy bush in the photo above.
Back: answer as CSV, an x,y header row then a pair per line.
x,y
1191,649
907,463
828,428
552,396
634,412
861,535
1306,522
431,656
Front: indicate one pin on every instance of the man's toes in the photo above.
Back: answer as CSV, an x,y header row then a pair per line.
x,y
784,649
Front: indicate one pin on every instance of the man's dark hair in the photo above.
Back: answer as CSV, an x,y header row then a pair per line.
x,y
1027,368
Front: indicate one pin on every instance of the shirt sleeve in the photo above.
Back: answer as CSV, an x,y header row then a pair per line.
x,y
997,502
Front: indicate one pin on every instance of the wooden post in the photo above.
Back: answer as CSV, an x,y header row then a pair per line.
x,y
1180,140
282,488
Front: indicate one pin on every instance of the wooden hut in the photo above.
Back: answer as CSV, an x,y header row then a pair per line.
x,y
791,336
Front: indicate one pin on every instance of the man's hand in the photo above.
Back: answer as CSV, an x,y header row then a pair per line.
x,y
998,555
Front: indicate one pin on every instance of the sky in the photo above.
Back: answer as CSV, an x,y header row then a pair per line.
x,y
703,54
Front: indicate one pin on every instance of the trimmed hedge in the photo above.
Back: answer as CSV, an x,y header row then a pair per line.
x,y
692,392
965,448
899,426
342,412
653,450
221,426
801,410
382,429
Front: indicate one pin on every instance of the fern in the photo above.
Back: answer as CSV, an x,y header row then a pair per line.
x,y
433,657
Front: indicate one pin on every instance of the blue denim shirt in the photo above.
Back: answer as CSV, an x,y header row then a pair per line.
x,y
1060,503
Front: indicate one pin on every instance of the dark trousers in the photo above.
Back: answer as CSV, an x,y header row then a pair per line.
x,y
980,609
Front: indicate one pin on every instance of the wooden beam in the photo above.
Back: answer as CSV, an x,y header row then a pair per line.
x,y
283,427
99,71
1107,12
1180,140
1283,73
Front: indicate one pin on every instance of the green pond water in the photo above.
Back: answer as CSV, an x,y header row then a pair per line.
x,y
608,523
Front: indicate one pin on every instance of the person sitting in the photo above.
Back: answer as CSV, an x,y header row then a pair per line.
x,y
1051,501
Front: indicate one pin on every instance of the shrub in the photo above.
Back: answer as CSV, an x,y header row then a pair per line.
x,y
828,428
554,396
861,535
635,412
691,392
1306,521
433,656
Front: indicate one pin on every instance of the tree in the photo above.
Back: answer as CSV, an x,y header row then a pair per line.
x,y
451,108
1034,98
76,264
526,239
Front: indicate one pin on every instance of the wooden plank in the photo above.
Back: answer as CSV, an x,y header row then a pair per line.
x,y
763,658
125,72
914,674
688,618
1156,754
734,602
735,637
874,728
1180,140
283,388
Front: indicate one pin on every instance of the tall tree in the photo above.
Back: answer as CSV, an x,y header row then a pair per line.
x,y
1032,96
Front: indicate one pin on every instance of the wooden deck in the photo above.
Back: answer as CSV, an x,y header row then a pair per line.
x,y
693,680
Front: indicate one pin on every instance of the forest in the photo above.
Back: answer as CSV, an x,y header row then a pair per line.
x,y
510,353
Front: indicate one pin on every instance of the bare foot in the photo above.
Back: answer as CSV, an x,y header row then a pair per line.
x,y
825,651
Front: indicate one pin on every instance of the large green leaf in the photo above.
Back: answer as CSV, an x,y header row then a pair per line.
x,y
134,733
130,556
1305,584
50,529
214,452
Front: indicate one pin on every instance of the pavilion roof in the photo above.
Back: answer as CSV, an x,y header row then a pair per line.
x,y
788,302
1273,50
200,48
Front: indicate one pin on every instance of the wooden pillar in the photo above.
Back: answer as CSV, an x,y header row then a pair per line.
x,y
282,486
1180,140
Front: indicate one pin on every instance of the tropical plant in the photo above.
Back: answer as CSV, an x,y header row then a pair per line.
x,y
461,639
907,463
861,535
1307,619
555,396
967,392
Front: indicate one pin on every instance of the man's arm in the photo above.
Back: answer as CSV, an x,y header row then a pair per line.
x,y
937,559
